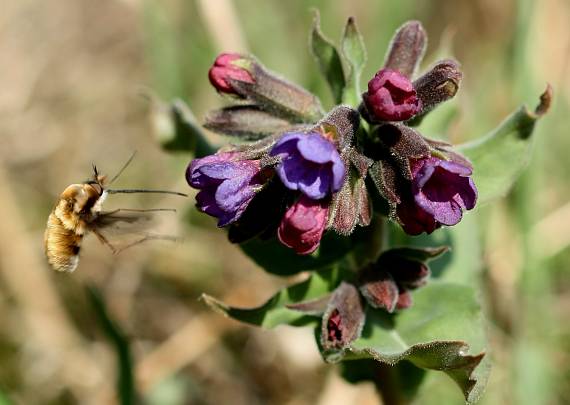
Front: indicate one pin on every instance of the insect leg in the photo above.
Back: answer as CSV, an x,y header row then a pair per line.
x,y
104,241
147,238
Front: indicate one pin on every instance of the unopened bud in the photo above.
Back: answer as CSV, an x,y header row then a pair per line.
x,y
227,69
246,122
344,318
245,77
439,84
391,97
379,288
407,48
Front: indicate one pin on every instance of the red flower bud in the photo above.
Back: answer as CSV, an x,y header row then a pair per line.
x,y
303,225
225,70
391,97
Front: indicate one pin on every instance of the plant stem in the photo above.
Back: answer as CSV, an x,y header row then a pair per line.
x,y
388,386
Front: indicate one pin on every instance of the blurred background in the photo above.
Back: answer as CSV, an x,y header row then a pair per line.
x,y
76,78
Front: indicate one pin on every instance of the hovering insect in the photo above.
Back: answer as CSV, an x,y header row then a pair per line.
x,y
79,210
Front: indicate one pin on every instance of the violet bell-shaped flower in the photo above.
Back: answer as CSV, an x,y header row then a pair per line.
x,y
309,163
440,191
227,185
391,97
303,225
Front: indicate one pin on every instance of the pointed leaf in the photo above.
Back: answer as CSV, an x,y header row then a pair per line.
x,y
328,59
354,51
281,309
443,331
499,158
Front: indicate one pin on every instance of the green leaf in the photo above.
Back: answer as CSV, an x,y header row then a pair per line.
x,y
177,129
125,381
442,331
499,157
278,259
276,310
354,51
328,59
274,257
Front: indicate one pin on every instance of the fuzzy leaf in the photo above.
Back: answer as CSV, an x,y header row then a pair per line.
x,y
499,157
443,331
354,51
177,129
281,308
328,59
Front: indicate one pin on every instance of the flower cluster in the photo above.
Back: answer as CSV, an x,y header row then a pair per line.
x,y
303,171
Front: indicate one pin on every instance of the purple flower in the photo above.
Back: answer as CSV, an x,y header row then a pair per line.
x,y
440,191
225,69
227,185
310,163
303,225
391,97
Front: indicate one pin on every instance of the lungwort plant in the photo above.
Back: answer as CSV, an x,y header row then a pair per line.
x,y
338,192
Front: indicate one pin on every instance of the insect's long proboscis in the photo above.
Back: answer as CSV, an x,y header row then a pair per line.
x,y
131,191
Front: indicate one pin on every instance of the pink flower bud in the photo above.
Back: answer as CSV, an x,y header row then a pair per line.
x,y
391,97
225,70
303,225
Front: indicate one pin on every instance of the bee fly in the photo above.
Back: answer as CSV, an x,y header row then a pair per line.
x,y
79,211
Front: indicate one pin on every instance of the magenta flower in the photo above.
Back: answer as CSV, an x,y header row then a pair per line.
x,y
225,69
391,97
309,163
303,225
227,185
440,191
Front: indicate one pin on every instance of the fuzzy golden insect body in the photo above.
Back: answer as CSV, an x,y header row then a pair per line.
x,y
79,211
73,216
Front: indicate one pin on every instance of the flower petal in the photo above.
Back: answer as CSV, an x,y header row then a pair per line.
x,y
447,212
287,144
232,193
315,148
294,169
